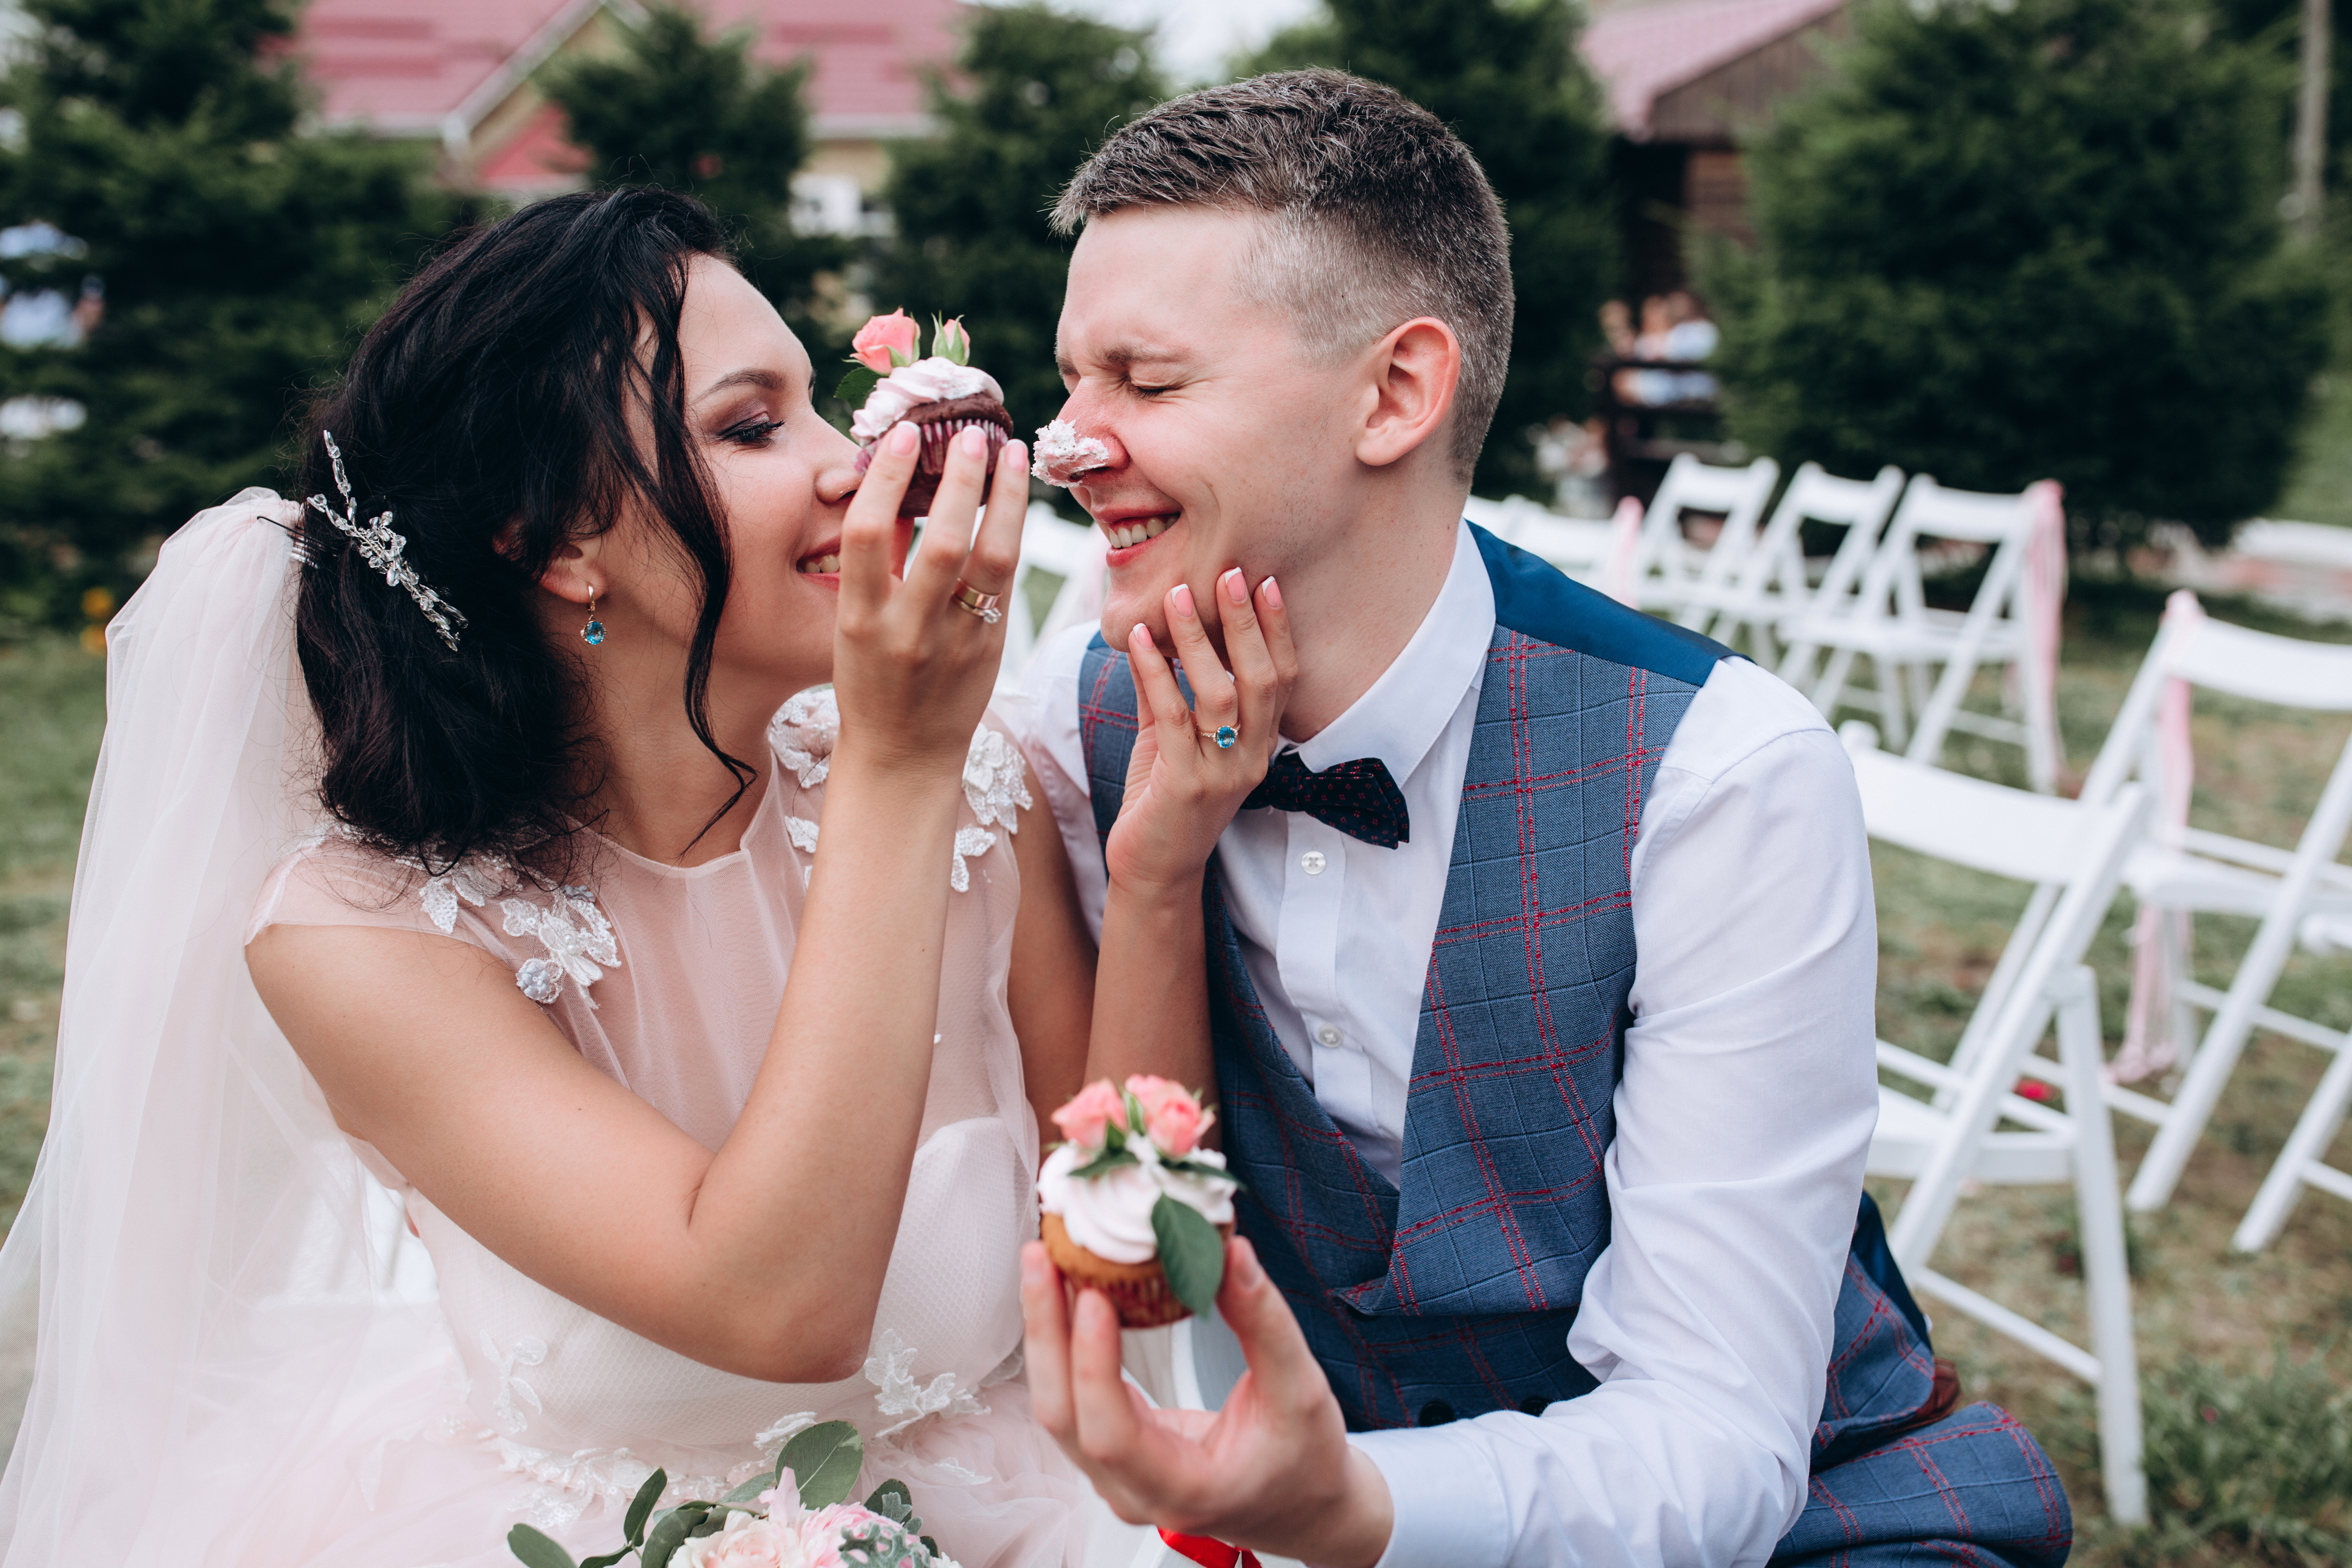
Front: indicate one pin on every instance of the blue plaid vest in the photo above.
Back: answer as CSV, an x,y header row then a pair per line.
x,y
1450,1295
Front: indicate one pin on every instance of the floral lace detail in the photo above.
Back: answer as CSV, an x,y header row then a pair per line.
x,y
565,1484
804,833
803,733
578,939
995,780
897,1393
969,842
476,880
513,1392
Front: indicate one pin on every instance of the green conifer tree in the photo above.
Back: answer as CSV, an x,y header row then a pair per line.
x,y
241,258
2036,239
1034,94
688,112
1506,76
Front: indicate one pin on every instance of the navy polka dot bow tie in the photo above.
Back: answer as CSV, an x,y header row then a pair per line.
x,y
1359,798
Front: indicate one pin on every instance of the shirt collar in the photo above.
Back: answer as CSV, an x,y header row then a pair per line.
x,y
1410,705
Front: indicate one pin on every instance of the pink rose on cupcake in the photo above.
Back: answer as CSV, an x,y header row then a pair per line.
x,y
1172,1116
885,342
1097,1106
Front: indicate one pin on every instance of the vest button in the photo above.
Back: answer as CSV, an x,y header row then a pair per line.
x,y
1436,1412
1533,1404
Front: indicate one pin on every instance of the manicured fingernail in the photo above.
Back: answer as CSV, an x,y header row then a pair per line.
x,y
903,439
974,443
1013,458
1181,596
1273,592
1236,589
1138,636
1247,1273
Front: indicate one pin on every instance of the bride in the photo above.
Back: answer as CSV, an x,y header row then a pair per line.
x,y
703,1034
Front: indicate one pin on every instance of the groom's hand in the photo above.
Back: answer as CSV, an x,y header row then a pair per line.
x,y
1272,1471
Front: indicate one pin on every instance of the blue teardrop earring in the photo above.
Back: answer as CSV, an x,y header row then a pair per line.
x,y
592,634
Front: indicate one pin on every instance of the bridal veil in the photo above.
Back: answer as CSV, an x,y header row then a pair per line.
x,y
203,1274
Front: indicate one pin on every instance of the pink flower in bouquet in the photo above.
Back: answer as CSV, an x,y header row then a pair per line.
x,y
1095,1106
883,341
1171,1113
746,1542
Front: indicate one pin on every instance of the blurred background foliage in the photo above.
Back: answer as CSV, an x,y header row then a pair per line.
x,y
241,257
1998,242
684,109
2028,240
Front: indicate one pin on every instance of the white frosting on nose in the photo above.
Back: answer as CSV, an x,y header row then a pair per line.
x,y
1061,454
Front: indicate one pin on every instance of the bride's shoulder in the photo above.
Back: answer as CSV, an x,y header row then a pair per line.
x,y
334,876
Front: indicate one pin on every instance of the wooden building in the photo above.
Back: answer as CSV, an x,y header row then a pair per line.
x,y
1687,82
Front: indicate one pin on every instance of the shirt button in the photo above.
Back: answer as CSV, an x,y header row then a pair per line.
x,y
1312,862
1327,1035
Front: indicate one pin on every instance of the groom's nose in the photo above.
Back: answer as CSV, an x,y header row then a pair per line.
x,y
1084,411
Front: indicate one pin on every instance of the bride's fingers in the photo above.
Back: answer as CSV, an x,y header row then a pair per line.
x,y
996,547
933,575
1171,716
1212,688
1258,686
870,531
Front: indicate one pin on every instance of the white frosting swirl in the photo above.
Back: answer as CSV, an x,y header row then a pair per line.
x,y
1110,1214
1061,454
933,379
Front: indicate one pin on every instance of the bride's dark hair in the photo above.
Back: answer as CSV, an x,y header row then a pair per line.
x,y
489,411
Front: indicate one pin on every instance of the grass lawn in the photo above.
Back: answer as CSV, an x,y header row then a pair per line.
x,y
2249,1380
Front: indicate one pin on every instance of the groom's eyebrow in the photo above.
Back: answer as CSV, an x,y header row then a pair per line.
x,y
748,377
1119,356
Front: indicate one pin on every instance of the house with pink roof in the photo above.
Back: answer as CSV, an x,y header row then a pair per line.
x,y
1687,82
460,72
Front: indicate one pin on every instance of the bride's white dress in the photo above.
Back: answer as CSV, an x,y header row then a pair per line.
x,y
522,1405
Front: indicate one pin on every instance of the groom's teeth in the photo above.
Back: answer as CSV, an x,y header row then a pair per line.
x,y
1150,528
819,564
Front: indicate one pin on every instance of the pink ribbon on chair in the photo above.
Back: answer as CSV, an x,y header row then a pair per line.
x,y
1618,577
2045,597
2160,936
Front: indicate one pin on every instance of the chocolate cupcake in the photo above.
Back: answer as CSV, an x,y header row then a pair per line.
x,y
942,394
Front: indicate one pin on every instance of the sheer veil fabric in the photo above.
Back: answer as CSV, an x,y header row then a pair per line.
x,y
192,1279
231,1361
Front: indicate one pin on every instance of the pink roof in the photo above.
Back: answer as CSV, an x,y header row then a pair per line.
x,y
407,65
1641,52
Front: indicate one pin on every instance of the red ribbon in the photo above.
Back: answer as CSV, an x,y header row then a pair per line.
x,y
1209,1552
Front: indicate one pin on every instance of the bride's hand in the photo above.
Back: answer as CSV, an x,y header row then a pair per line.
x,y
1183,787
912,670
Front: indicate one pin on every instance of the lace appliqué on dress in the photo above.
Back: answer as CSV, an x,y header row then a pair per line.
x,y
565,1484
476,880
578,939
804,833
897,1393
513,1392
803,733
995,783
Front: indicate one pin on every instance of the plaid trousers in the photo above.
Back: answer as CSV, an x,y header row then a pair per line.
x,y
1451,1294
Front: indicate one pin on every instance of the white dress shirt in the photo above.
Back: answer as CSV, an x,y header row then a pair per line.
x,y
1743,1118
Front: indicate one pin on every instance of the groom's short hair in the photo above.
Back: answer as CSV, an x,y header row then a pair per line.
x,y
1375,214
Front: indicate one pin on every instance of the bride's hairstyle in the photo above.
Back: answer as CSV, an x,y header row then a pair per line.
x,y
490,412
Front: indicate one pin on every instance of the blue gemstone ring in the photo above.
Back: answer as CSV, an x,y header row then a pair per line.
x,y
1226,737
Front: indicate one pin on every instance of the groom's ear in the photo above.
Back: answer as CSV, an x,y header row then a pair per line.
x,y
1413,370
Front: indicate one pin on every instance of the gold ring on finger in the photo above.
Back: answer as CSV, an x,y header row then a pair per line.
x,y
972,600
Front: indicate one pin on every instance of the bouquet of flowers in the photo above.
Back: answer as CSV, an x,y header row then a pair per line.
x,y
797,1515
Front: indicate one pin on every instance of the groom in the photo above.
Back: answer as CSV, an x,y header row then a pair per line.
x,y
1541,970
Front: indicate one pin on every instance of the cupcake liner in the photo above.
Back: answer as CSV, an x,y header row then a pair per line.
x,y
1138,1292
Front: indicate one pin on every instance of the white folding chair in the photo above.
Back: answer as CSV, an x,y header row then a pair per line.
x,y
1979,1131
1069,550
1775,581
2303,892
1674,577
1583,548
1887,620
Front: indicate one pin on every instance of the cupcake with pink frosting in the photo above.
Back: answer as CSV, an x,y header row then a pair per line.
x,y
941,392
1134,1207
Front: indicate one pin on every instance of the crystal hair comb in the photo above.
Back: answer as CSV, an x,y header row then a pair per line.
x,y
381,548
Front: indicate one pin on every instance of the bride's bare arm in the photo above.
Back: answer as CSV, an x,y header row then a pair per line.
x,y
767,1258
